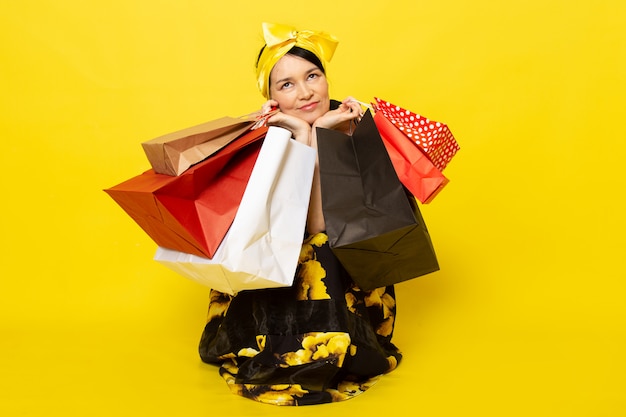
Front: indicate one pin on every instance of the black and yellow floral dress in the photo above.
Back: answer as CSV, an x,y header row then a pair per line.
x,y
318,341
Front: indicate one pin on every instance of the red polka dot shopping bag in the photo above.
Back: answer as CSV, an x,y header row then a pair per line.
x,y
434,138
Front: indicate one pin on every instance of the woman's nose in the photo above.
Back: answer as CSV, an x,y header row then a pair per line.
x,y
304,91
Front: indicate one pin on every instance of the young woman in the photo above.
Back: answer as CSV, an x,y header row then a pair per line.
x,y
322,339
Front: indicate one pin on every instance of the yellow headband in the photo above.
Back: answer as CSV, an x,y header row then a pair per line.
x,y
279,39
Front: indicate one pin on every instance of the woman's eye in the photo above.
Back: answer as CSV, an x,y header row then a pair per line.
x,y
312,76
285,85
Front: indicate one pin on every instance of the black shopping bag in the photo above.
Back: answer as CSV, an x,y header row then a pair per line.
x,y
374,226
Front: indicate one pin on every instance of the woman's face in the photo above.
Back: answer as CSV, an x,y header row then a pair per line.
x,y
300,88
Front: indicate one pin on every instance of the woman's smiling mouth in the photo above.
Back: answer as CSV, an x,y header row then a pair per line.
x,y
310,106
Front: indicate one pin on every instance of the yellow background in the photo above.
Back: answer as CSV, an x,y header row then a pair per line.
x,y
526,316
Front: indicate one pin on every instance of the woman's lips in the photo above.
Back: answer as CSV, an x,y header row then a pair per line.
x,y
309,107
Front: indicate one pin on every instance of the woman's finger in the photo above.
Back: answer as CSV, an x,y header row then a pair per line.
x,y
269,106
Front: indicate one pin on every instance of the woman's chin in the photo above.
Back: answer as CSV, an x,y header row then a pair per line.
x,y
311,117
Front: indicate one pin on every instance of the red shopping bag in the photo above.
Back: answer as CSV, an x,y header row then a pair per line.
x,y
434,138
416,172
192,212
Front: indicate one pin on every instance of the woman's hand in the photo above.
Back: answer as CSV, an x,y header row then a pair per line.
x,y
300,129
269,106
340,118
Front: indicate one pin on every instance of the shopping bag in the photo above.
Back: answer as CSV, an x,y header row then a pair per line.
x,y
434,138
174,153
262,246
415,171
193,211
375,229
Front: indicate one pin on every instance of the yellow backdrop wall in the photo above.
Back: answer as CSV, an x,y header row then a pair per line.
x,y
526,316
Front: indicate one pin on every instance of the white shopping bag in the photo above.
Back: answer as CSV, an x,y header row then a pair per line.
x,y
262,246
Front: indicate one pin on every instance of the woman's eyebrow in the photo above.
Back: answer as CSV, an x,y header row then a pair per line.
x,y
289,78
282,80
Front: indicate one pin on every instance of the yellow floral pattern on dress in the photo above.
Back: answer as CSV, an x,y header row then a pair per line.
x,y
279,394
248,352
349,389
260,341
351,302
393,363
218,305
380,299
309,278
329,346
275,367
282,394
290,394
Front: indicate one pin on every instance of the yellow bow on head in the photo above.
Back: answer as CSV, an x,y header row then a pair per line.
x,y
279,39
